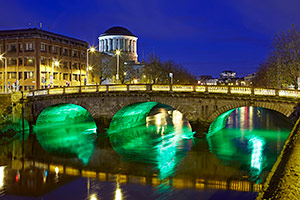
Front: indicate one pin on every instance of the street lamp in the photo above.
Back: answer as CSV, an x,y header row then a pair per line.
x,y
5,71
171,76
92,49
56,64
118,52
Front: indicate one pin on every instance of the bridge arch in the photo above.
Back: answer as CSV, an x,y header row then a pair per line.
x,y
222,114
129,102
58,113
266,105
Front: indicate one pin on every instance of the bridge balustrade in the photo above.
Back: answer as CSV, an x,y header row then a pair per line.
x,y
200,88
71,90
265,92
161,88
137,87
240,90
167,88
289,93
218,89
89,89
182,88
117,88
102,88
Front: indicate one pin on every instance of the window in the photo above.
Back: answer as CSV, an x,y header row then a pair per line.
x,y
11,61
54,49
11,47
43,61
20,47
20,75
1,49
28,75
75,66
1,77
43,47
29,61
65,52
28,87
74,53
29,47
12,75
76,77
65,76
56,75
20,63
65,65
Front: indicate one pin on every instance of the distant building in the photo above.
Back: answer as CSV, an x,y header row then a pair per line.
x,y
248,79
30,55
227,75
207,80
120,38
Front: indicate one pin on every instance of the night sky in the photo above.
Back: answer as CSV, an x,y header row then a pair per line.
x,y
204,36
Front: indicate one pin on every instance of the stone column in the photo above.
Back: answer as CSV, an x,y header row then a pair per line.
x,y
114,44
109,44
119,43
124,49
125,45
134,46
104,43
101,45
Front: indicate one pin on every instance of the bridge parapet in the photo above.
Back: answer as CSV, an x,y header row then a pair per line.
x,y
236,90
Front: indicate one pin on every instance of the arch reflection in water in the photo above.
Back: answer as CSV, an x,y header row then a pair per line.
x,y
158,135
252,138
67,129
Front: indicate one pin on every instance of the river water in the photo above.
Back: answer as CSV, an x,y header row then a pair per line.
x,y
149,152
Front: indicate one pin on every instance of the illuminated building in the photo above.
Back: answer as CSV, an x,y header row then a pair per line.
x,y
119,38
31,53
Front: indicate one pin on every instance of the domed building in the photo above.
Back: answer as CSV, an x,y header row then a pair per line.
x,y
119,38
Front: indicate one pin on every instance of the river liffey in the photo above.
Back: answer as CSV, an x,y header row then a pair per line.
x,y
149,152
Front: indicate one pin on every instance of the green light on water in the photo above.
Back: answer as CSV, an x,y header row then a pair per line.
x,y
256,145
159,139
219,123
67,129
131,116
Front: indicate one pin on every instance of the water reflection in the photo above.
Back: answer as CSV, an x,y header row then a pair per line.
x,y
162,140
13,130
67,130
255,148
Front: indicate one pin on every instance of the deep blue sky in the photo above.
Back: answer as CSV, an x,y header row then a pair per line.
x,y
204,36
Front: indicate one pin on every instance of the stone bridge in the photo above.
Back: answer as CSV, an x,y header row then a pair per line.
x,y
197,103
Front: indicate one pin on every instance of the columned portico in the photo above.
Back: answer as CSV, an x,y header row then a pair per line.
x,y
119,38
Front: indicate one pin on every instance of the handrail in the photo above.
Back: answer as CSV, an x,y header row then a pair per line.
x,y
237,90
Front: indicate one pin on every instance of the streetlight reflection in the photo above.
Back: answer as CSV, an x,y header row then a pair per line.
x,y
2,176
93,197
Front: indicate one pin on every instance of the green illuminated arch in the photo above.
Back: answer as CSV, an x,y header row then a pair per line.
x,y
219,123
67,129
158,136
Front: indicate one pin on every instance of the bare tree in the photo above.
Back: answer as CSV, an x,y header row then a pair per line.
x,y
282,67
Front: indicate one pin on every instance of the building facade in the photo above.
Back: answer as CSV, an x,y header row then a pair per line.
x,y
31,54
119,38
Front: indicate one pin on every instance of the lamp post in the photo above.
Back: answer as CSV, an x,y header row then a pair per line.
x,y
56,64
118,52
92,49
5,71
171,76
